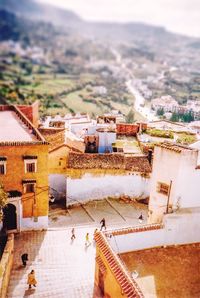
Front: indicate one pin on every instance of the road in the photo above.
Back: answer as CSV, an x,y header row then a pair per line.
x,y
139,104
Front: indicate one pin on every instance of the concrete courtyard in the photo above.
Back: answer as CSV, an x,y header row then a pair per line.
x,y
65,268
115,212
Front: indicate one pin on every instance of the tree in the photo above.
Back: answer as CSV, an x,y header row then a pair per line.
x,y
174,117
3,200
160,112
130,116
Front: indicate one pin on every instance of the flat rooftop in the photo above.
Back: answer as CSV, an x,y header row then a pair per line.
x,y
171,272
12,129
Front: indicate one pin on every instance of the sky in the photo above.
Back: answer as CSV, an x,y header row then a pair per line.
x,y
181,16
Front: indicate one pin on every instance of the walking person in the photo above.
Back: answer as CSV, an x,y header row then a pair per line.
x,y
87,240
141,218
103,224
31,279
24,259
73,234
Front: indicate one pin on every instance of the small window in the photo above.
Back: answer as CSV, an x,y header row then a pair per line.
x,y
30,166
163,188
29,187
2,168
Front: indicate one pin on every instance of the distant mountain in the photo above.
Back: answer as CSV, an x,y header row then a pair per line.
x,y
37,11
21,29
138,34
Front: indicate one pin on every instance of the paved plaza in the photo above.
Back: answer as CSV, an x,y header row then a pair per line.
x,y
65,268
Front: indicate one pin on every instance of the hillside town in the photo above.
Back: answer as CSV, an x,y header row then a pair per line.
x,y
66,174
99,149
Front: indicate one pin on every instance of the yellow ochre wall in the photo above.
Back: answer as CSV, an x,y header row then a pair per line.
x,y
111,287
15,173
58,160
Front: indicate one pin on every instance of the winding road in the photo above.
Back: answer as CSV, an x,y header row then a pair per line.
x,y
139,104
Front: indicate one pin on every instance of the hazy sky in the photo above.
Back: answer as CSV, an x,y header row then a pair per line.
x,y
181,16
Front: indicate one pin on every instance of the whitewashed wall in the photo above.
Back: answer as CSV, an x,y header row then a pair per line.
x,y
91,187
57,184
180,169
188,183
31,223
179,229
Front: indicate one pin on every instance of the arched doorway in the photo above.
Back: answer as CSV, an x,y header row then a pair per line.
x,y
10,217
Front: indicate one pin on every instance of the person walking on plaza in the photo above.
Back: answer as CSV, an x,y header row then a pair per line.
x,y
87,240
31,279
24,259
103,224
73,234
141,218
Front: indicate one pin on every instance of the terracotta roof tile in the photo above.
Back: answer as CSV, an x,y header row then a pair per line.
x,y
128,285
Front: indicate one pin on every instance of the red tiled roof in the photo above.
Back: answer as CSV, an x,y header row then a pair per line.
x,y
174,147
102,267
143,228
129,287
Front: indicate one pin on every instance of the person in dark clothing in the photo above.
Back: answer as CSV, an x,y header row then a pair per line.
x,y
24,258
103,224
141,218
73,234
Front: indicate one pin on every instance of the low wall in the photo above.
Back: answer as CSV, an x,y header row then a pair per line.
x,y
177,230
137,163
127,129
6,265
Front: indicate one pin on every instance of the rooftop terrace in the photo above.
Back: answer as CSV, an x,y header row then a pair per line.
x,y
16,128
13,129
166,272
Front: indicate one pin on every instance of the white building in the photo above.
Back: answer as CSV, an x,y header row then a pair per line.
x,y
166,103
78,124
175,181
106,138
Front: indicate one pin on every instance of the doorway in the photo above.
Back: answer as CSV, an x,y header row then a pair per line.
x,y
10,217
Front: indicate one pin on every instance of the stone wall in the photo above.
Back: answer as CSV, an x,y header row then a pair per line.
x,y
6,265
137,163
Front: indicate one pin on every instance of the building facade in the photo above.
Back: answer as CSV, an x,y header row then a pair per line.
x,y
23,171
175,180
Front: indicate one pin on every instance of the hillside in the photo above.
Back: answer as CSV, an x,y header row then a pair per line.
x,y
53,55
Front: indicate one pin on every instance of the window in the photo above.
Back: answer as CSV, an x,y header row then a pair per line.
x,y
29,187
163,188
30,166
2,168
